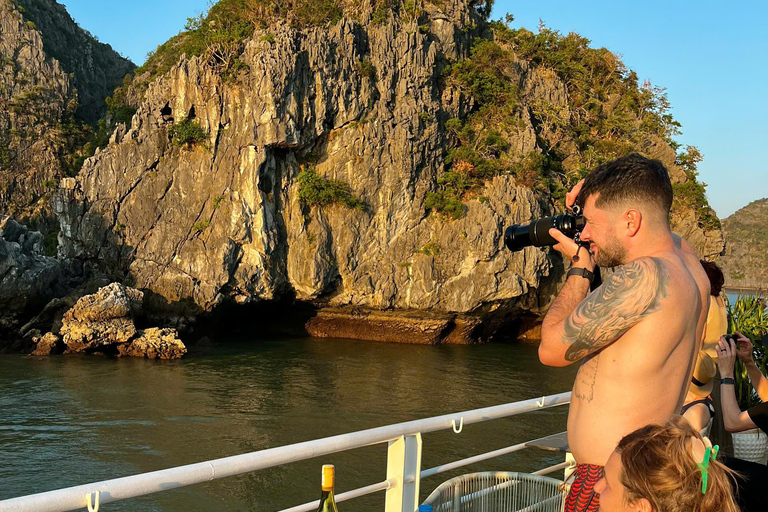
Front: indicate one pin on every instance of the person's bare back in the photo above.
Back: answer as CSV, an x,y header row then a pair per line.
x,y
641,377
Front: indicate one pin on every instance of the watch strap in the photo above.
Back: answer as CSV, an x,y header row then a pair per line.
x,y
582,272
727,380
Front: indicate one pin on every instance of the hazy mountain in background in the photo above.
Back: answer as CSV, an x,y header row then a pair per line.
x,y
745,262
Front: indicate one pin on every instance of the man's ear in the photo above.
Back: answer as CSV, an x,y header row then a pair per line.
x,y
633,219
642,505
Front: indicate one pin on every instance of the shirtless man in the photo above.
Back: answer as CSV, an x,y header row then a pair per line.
x,y
639,332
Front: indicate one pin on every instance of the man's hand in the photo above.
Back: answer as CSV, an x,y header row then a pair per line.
x,y
744,348
570,197
568,248
726,357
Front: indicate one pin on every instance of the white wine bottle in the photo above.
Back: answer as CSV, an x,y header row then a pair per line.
x,y
327,501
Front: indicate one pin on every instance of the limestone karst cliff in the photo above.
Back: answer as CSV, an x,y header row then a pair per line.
x,y
28,278
54,78
370,161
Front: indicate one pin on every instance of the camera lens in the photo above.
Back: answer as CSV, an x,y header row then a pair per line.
x,y
517,237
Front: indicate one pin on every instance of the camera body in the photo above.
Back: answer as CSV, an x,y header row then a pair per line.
x,y
518,237
732,337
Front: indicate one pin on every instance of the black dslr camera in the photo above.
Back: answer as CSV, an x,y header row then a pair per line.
x,y
517,237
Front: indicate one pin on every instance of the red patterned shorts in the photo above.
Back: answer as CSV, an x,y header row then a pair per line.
x,y
583,497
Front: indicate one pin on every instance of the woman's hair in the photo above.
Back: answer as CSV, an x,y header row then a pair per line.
x,y
715,275
658,465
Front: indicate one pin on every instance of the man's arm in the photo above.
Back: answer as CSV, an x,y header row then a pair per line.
x,y
759,382
735,419
574,327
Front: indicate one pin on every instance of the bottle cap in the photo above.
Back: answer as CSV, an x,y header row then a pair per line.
x,y
425,508
326,483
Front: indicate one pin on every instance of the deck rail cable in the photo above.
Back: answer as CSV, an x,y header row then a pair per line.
x,y
403,463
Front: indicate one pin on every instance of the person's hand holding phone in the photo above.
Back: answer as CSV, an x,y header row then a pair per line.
x,y
743,348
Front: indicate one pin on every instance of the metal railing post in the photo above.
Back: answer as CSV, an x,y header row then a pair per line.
x,y
403,467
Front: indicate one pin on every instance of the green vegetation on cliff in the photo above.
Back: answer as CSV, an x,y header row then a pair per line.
x,y
692,193
609,114
187,133
745,262
315,190
220,34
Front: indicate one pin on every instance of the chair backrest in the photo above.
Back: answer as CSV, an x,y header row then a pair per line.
x,y
498,492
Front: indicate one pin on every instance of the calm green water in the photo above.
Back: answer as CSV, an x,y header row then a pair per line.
x,y
70,420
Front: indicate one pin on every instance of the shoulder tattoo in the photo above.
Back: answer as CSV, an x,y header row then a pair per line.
x,y
632,292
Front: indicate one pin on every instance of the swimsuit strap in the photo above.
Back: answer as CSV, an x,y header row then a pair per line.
x,y
703,401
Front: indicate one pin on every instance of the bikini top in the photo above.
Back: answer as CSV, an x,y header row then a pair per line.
x,y
705,401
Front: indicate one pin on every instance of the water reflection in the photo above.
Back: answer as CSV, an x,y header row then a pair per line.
x,y
71,420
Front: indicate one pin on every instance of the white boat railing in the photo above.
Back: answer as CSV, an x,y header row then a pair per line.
x,y
403,464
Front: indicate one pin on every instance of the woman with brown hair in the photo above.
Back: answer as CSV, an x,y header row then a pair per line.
x,y
666,468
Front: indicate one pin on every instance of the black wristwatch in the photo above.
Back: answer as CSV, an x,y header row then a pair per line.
x,y
727,380
582,272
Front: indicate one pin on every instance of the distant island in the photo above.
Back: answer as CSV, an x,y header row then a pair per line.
x,y
745,263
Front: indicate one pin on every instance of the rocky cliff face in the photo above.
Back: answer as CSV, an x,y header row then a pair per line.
x,y
224,221
35,93
28,279
43,99
196,226
745,262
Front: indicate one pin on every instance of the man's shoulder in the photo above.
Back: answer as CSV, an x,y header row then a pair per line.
x,y
675,281
666,266
683,245
651,270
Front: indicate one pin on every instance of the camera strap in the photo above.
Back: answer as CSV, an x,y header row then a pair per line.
x,y
576,256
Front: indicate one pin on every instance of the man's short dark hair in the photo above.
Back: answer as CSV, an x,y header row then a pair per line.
x,y
630,178
715,275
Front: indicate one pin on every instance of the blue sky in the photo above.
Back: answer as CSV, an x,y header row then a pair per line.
x,y
711,57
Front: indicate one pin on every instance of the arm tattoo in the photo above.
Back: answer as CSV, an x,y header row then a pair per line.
x,y
633,292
